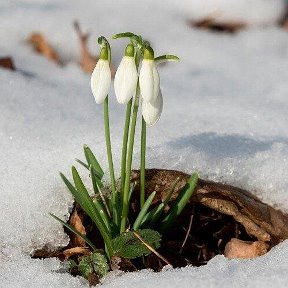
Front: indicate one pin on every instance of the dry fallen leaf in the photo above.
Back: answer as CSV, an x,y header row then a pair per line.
x,y
87,60
236,248
7,63
76,251
42,46
213,22
76,222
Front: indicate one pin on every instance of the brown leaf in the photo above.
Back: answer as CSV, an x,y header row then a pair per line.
x,y
212,22
236,248
76,222
7,63
68,253
42,46
87,60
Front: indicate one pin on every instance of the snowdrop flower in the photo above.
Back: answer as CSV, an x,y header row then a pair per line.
x,y
151,111
101,77
149,77
126,77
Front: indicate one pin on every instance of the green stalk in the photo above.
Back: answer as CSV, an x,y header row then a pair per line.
x,y
109,149
124,144
143,211
142,165
129,161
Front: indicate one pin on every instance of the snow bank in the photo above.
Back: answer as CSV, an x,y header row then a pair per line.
x,y
225,115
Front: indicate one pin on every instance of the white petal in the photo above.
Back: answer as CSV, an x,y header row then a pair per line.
x,y
125,80
146,80
156,83
152,111
101,80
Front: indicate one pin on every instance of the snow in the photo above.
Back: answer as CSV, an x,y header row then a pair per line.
x,y
225,115
256,12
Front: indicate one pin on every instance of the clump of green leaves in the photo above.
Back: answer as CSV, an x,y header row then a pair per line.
x,y
123,235
95,263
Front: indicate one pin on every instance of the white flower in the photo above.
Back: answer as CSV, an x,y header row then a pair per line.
x,y
149,80
101,80
151,111
125,80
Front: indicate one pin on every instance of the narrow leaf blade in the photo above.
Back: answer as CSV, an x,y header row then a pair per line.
x,y
69,227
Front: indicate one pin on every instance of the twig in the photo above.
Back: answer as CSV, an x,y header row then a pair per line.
x,y
188,231
151,248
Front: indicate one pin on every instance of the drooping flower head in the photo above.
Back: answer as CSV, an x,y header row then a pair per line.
x,y
126,76
149,77
101,77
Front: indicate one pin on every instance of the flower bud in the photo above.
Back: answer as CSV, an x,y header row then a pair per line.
x,y
101,77
149,77
126,77
151,112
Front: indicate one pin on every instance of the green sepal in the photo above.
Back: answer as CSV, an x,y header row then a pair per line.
x,y
123,35
165,58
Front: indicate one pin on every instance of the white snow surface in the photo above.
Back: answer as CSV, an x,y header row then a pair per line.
x,y
225,116
256,12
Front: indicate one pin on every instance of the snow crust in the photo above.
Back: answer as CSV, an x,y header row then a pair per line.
x,y
225,115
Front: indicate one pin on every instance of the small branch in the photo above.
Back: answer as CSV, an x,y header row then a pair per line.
x,y
151,248
188,231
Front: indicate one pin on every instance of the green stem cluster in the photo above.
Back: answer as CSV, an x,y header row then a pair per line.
x,y
129,161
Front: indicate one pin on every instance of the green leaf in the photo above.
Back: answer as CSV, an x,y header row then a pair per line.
x,y
123,35
100,201
95,263
91,160
98,176
165,58
179,203
127,245
69,227
82,163
170,193
82,197
88,205
143,211
153,216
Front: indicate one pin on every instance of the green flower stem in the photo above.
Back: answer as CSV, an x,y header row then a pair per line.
x,y
129,161
124,144
109,149
142,164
